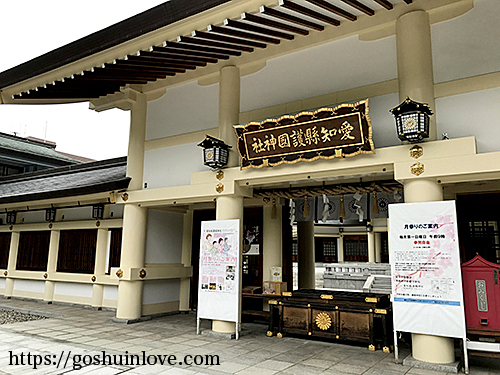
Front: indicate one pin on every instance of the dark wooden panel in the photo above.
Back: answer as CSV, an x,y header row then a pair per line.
x,y
295,318
354,324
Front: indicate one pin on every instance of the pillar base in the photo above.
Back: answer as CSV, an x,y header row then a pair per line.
x,y
131,321
220,326
453,367
433,349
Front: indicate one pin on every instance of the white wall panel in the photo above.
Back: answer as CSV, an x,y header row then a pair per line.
x,y
183,109
2,283
29,286
172,166
110,292
468,45
158,291
473,114
77,213
164,237
73,289
32,217
330,67
116,211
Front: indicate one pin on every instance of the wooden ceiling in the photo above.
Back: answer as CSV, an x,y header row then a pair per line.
x,y
270,25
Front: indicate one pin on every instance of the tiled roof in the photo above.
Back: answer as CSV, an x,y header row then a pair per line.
x,y
11,143
85,178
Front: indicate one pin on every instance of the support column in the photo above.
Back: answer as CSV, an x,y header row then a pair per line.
x,y
133,256
229,109
305,242
272,242
340,249
51,265
414,57
378,247
11,265
371,246
228,208
428,348
134,217
187,244
99,267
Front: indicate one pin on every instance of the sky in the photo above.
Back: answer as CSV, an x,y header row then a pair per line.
x,y
31,28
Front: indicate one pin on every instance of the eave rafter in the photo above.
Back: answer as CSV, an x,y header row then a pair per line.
x,y
230,39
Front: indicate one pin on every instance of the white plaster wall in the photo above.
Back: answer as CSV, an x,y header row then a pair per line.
x,y
116,211
468,45
330,67
77,213
110,292
473,114
2,283
32,217
183,109
29,286
384,127
158,291
73,289
164,237
172,166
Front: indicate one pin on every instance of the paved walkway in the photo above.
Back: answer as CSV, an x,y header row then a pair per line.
x,y
73,337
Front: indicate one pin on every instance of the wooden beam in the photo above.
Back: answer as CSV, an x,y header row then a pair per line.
x,y
141,64
359,6
308,12
333,9
186,52
287,17
178,56
257,29
227,39
386,4
242,34
163,63
204,43
275,24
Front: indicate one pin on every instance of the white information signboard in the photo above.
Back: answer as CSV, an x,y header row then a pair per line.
x,y
425,264
219,272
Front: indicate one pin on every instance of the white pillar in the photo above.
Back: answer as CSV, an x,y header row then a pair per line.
x,y
229,109
11,265
272,244
134,217
228,208
340,249
306,265
428,348
100,266
132,256
378,247
371,246
414,58
187,241
52,265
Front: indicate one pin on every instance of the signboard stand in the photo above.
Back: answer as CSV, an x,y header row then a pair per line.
x,y
426,276
220,273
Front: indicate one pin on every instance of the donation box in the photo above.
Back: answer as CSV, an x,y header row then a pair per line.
x,y
481,283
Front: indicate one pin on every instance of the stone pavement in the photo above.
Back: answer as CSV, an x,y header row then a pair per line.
x,y
74,335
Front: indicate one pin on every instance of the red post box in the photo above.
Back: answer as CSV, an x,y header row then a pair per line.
x,y
481,283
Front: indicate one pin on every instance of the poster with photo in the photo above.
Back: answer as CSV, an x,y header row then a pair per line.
x,y
218,296
425,267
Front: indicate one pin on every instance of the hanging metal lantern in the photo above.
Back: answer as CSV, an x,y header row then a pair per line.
x,y
412,120
215,152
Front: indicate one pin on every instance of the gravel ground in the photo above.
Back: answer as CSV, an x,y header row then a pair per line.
x,y
11,316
